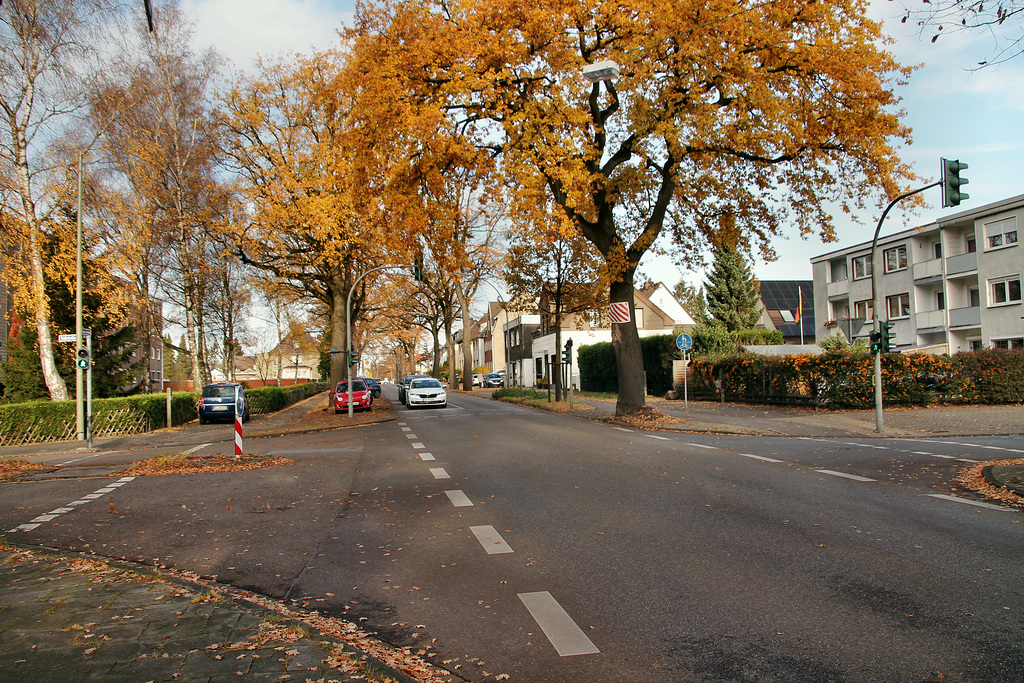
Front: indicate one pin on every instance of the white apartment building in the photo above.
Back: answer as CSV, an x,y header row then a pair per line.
x,y
948,286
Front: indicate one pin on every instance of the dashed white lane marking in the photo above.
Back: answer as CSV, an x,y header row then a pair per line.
x,y
459,499
439,473
844,475
418,446
491,540
427,456
659,438
197,448
969,502
567,638
623,429
700,445
406,429
411,436
53,514
759,457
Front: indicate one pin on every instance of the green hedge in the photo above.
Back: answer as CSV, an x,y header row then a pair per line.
x,y
599,371
843,379
46,421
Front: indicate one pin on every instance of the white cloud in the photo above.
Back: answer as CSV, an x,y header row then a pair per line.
x,y
242,29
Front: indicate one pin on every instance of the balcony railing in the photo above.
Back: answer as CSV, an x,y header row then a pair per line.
x,y
962,263
969,316
928,269
930,319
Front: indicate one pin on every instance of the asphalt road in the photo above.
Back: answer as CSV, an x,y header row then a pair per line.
x,y
546,548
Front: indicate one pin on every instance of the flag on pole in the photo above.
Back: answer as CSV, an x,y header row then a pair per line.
x,y
800,303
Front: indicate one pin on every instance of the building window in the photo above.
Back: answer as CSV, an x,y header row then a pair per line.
x,y
937,249
861,267
971,244
838,269
974,297
1004,290
864,309
1001,233
639,313
940,301
895,259
898,305
1012,343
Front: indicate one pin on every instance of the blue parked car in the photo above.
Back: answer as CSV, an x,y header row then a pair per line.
x,y
218,402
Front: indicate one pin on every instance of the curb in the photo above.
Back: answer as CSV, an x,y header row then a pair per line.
x,y
236,597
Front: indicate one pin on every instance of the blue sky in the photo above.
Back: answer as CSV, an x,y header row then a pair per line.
x,y
975,116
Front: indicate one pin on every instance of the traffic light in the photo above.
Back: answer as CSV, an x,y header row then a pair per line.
x,y
888,334
353,357
951,182
83,358
876,342
567,353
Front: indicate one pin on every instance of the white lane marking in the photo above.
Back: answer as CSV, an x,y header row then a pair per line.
x,y
969,502
427,456
69,507
759,457
700,445
491,540
197,448
418,446
844,475
459,499
567,638
439,473
411,436
659,438
623,429
401,424
406,429
966,460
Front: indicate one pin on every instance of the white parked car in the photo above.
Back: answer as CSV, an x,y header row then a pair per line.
x,y
425,391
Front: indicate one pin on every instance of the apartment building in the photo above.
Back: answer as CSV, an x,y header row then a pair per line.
x,y
948,286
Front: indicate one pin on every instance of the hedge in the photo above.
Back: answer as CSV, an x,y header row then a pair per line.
x,y
599,371
843,379
46,421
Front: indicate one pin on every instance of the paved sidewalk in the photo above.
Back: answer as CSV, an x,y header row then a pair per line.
x,y
68,618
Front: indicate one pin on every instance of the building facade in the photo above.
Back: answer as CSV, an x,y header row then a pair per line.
x,y
948,286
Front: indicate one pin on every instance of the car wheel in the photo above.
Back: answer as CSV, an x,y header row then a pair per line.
x,y
337,410
202,420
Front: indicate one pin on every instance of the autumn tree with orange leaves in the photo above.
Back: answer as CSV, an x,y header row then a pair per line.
x,y
726,117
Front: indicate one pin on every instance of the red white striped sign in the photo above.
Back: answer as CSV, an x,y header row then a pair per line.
x,y
618,312
238,436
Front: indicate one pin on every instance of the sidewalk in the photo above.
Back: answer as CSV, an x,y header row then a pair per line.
x,y
68,618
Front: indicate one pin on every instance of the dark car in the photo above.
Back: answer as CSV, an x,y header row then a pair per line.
x,y
218,402
494,379
403,386
373,384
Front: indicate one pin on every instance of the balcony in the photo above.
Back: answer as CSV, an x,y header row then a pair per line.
x,y
928,270
961,264
930,320
840,288
969,316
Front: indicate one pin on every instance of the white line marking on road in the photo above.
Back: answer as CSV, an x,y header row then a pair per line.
x,y
567,638
52,514
459,499
106,489
197,448
439,473
60,511
659,438
969,502
411,436
406,429
401,424
967,460
23,527
844,475
427,456
700,445
623,429
93,496
126,479
759,457
418,446
45,518
491,540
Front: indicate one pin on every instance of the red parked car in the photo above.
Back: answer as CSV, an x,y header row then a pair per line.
x,y
362,396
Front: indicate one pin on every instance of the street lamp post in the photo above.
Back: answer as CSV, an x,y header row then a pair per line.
x,y
348,329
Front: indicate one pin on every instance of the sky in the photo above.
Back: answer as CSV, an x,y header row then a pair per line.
x,y
956,112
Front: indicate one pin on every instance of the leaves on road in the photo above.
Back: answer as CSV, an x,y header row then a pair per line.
x,y
973,478
10,469
190,463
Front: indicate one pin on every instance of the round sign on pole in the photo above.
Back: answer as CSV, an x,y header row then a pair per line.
x,y
684,342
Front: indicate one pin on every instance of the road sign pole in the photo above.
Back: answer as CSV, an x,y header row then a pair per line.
x,y
88,392
239,415
686,398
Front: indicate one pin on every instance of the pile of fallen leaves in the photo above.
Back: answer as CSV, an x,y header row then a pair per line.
x,y
9,469
973,478
645,418
190,463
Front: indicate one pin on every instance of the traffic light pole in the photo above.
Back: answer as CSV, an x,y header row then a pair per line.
x,y
875,303
348,330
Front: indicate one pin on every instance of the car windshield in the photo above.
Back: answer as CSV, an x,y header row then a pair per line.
x,y
492,375
429,383
219,391
357,385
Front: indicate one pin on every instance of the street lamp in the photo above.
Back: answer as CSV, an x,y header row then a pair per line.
x,y
605,70
296,344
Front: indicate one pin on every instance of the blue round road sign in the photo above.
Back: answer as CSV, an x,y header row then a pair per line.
x,y
684,342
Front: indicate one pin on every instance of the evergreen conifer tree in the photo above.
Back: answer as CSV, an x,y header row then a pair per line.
x,y
732,294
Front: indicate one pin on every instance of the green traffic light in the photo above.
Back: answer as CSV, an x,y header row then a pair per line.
x,y
952,181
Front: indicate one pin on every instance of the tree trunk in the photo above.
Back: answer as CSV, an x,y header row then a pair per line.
x,y
337,303
628,354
